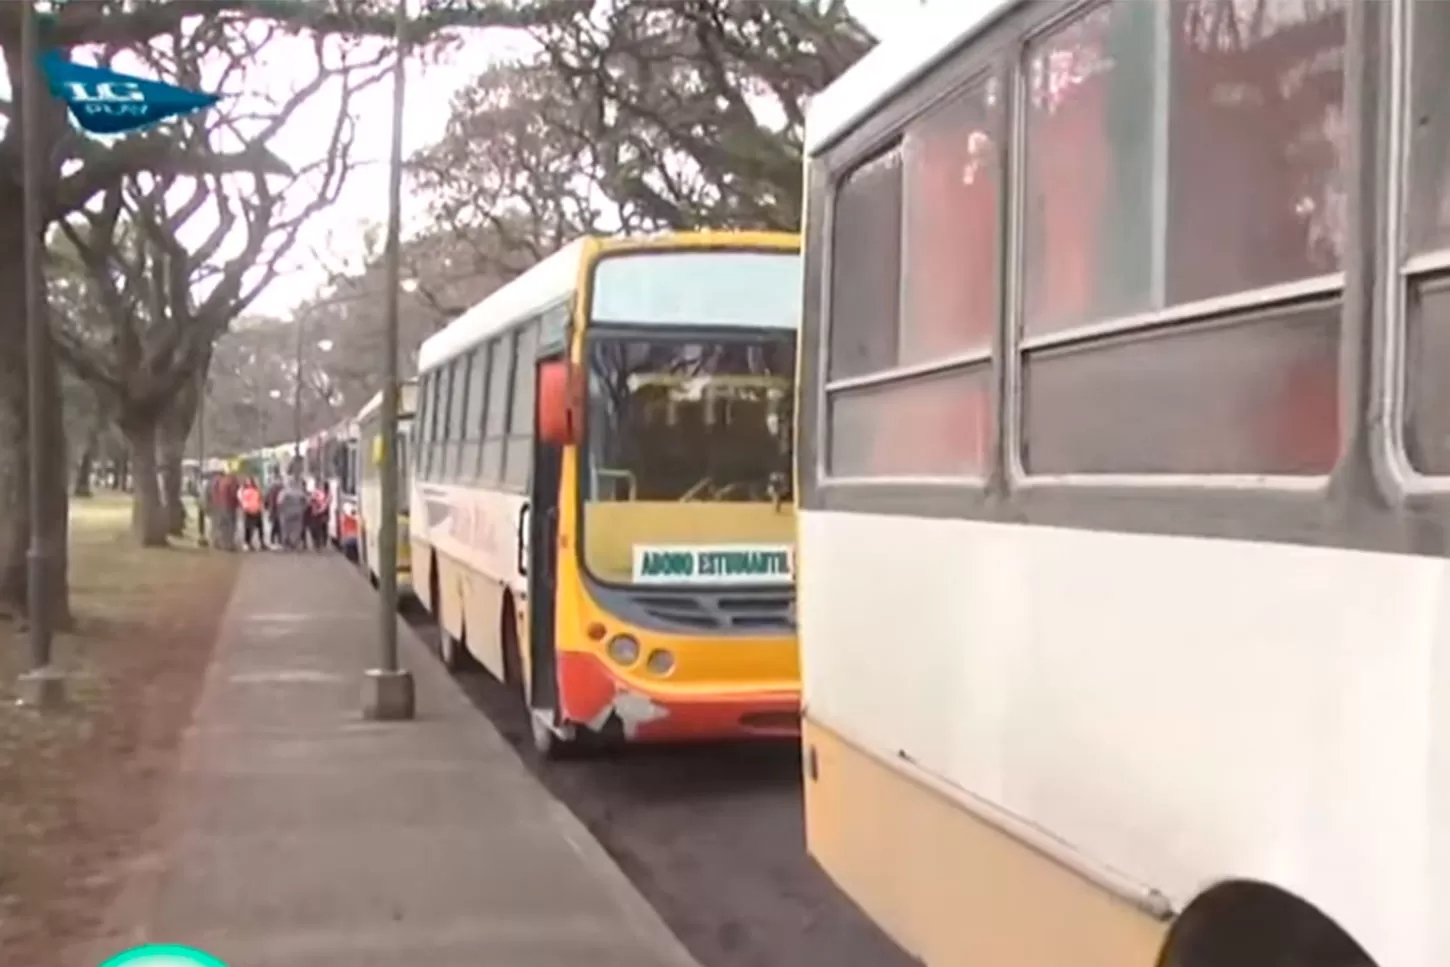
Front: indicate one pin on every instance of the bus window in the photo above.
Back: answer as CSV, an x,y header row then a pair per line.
x,y
495,428
866,268
1145,190
1150,188
1426,422
519,457
950,272
473,418
919,289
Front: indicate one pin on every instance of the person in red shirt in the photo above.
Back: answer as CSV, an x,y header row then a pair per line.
x,y
250,499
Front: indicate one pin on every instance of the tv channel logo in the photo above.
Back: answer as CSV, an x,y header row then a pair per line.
x,y
163,955
104,101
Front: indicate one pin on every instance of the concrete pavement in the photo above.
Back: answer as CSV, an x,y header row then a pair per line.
x,y
303,836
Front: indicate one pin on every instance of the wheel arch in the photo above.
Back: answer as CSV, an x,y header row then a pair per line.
x,y
1252,923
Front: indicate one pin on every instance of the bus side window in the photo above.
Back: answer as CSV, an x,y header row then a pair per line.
x,y
496,418
1150,189
943,301
471,449
520,456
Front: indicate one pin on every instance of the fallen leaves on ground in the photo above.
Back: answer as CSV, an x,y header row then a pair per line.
x,y
81,786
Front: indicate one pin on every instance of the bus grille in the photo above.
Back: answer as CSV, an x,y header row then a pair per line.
x,y
770,612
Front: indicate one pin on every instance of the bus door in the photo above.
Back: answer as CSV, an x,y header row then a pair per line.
x,y
540,560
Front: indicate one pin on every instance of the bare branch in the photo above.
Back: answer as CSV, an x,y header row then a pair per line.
x,y
93,23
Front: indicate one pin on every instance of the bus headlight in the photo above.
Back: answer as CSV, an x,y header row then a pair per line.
x,y
623,649
661,662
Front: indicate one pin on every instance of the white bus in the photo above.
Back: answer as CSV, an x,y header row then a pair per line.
x,y
369,454
1123,474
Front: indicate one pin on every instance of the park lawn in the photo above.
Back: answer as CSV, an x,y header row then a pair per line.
x,y
81,787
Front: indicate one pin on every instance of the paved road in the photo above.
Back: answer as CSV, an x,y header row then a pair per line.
x,y
713,837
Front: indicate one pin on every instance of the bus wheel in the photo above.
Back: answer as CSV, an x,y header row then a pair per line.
x,y
513,675
452,651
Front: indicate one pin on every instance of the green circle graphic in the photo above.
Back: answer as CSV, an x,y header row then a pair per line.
x,y
163,955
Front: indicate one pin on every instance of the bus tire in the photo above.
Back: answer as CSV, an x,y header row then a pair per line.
x,y
513,669
1248,923
453,652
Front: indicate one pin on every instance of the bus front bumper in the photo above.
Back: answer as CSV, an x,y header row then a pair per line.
x,y
593,696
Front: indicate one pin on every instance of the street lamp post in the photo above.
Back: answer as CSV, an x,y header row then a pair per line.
x,y
41,684
388,688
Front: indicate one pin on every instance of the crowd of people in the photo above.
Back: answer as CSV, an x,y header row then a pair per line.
x,y
289,514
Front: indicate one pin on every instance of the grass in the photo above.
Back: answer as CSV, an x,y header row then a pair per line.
x,y
141,620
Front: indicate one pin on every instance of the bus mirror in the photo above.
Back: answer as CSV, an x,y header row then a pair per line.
x,y
377,451
558,406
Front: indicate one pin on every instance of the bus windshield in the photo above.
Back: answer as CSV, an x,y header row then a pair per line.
x,y
698,288
688,442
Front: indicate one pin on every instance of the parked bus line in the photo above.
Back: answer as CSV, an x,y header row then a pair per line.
x,y
659,375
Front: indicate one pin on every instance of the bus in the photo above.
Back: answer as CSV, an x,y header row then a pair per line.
x,y
1123,477
330,458
602,506
368,456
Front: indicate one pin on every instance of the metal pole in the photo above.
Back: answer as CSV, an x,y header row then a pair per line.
x,y
389,692
41,685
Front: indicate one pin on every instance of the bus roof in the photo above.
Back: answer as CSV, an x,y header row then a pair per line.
x,y
557,276
923,40
541,286
407,403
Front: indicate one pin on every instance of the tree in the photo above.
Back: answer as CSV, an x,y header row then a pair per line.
x,y
643,116
140,326
251,390
86,420
77,168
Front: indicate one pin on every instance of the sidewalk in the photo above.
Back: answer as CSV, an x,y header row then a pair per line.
x,y
300,835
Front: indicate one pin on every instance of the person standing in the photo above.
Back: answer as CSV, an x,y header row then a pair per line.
x,y
318,504
250,498
274,491
224,510
292,506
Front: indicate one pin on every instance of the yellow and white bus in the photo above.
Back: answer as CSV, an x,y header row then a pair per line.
x,y
370,483
601,503
1123,475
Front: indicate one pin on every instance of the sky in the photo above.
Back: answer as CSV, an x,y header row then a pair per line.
x,y
331,241
334,235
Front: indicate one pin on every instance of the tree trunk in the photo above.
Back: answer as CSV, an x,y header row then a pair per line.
x,y
85,468
123,471
171,488
173,433
15,438
148,514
